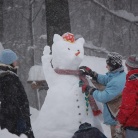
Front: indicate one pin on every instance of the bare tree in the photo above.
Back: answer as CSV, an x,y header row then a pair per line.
x,y
1,20
30,22
57,18
30,18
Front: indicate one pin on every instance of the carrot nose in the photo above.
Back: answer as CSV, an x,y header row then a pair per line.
x,y
77,53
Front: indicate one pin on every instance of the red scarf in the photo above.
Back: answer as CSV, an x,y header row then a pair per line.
x,y
94,107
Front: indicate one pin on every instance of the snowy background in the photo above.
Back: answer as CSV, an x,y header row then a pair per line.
x,y
105,25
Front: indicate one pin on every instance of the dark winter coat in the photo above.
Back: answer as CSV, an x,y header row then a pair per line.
x,y
128,113
87,131
14,113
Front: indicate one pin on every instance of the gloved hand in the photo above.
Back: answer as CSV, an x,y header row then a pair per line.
x,y
88,89
118,130
84,70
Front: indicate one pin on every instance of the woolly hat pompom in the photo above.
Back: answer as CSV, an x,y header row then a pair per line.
x,y
114,60
132,62
7,56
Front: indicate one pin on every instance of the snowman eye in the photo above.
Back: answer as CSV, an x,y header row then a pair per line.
x,y
68,48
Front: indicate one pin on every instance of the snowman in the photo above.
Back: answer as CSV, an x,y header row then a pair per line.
x,y
64,108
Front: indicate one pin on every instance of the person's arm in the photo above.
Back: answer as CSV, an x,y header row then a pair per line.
x,y
102,79
128,103
84,70
112,89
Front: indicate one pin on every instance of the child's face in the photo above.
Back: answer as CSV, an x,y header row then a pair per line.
x,y
15,64
108,67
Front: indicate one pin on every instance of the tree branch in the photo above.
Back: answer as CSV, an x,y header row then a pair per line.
x,y
32,2
38,12
22,14
113,13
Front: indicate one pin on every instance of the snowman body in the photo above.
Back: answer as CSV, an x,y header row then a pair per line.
x,y
64,108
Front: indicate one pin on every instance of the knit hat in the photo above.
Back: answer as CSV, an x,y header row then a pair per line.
x,y
132,62
114,60
69,37
7,56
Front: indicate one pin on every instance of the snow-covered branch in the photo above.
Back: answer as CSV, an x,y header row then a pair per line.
x,y
115,13
38,12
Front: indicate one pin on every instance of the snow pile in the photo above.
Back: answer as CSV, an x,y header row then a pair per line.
x,y
5,134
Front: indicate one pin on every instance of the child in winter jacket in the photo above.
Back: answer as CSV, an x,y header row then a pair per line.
x,y
114,82
14,111
128,113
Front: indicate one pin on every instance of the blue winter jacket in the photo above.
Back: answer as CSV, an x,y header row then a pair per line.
x,y
114,83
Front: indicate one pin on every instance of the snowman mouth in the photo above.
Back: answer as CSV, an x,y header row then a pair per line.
x,y
77,53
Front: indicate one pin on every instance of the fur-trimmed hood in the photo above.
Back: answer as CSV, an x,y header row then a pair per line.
x,y
7,69
14,102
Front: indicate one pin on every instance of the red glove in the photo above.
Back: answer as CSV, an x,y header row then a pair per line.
x,y
84,70
88,89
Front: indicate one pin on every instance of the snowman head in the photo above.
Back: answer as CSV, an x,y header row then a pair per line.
x,y
66,52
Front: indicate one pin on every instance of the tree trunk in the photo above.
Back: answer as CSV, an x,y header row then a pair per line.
x,y
1,20
57,18
31,23
31,33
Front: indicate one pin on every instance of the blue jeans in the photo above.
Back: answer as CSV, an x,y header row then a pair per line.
x,y
131,133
